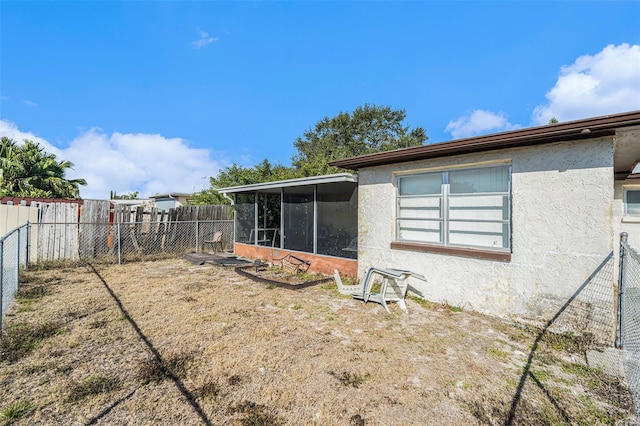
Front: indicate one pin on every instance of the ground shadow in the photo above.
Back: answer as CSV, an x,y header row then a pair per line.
x,y
156,354
590,297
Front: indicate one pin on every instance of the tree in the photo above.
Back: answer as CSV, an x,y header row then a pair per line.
x,y
369,129
236,175
29,171
130,196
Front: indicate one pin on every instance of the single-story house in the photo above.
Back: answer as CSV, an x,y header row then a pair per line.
x,y
170,200
510,224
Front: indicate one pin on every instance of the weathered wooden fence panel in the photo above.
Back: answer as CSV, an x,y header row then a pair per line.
x,y
95,240
58,232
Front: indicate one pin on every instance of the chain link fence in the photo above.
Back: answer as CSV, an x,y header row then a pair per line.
x,y
125,242
628,338
14,252
103,243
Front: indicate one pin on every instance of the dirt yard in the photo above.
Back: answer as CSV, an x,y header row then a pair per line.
x,y
173,343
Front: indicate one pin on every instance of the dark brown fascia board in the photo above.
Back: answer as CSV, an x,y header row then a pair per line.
x,y
572,130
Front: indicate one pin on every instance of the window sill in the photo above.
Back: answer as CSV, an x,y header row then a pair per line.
x,y
630,219
454,251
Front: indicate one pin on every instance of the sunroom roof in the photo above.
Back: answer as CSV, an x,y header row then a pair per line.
x,y
313,180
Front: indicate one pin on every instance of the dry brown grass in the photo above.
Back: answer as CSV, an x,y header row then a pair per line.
x,y
168,342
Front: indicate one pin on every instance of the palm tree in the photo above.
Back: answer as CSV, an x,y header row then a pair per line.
x,y
29,171
8,150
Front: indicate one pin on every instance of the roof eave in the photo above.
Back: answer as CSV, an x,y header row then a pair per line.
x,y
574,130
313,180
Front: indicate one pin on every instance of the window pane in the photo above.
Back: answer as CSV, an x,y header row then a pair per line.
x,y
489,179
427,183
298,219
633,202
428,231
420,208
245,217
479,207
338,219
479,234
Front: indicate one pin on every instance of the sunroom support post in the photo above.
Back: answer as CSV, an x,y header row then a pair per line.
x,y
315,219
255,218
282,236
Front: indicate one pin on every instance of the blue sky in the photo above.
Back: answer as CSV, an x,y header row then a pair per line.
x,y
157,96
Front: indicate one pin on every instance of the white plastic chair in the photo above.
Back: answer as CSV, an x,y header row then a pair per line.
x,y
393,288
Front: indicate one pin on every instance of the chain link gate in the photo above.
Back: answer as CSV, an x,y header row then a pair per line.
x,y
628,330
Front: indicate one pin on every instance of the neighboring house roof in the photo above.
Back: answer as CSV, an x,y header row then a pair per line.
x,y
171,195
130,202
571,130
313,180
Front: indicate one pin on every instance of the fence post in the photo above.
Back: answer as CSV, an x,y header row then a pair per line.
x,y
197,235
27,257
119,250
1,282
18,259
621,285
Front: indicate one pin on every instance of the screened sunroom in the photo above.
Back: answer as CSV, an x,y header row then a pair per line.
x,y
316,215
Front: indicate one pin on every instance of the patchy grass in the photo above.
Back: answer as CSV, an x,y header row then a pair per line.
x,y
498,354
354,380
153,370
32,293
21,338
569,342
17,410
90,386
254,414
167,342
208,390
451,308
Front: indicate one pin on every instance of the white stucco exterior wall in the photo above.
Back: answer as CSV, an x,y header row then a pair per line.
x,y
562,201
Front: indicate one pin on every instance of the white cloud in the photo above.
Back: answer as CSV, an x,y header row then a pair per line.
x,y
30,103
11,131
127,162
605,83
204,40
479,122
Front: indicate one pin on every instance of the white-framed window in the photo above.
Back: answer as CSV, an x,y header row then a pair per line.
x,y
468,207
632,201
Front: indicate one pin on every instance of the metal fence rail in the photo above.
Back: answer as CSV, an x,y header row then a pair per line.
x,y
14,253
629,316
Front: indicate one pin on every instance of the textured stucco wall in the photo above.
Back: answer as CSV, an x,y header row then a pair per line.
x,y
562,198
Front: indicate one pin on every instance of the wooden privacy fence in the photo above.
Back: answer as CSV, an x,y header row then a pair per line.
x,y
57,232
98,231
